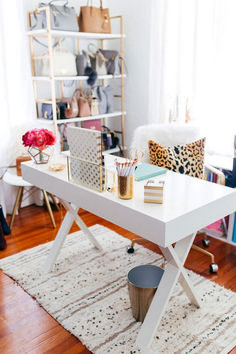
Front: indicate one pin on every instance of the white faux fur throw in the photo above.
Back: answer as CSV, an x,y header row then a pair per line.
x,y
164,134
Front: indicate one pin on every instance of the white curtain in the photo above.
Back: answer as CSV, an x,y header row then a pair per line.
x,y
16,91
193,67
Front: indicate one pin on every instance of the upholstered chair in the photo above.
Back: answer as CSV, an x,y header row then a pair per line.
x,y
165,137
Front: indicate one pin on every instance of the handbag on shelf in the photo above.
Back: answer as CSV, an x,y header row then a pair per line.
x,y
94,124
97,60
101,68
82,61
80,104
63,134
104,94
84,109
110,138
62,105
94,19
62,17
110,98
47,113
99,93
92,100
113,59
63,64
72,109
94,107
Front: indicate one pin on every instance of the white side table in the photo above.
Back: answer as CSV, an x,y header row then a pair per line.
x,y
10,177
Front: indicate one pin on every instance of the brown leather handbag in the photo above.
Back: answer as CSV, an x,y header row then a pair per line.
x,y
83,104
72,109
78,106
94,19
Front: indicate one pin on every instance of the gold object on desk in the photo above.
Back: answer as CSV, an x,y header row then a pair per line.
x,y
57,167
125,187
153,192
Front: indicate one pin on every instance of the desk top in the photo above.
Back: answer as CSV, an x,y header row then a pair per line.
x,y
189,203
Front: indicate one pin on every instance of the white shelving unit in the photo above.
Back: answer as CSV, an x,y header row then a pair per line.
x,y
57,83
81,35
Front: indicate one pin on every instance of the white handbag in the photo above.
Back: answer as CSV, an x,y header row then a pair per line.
x,y
94,107
97,59
63,62
101,64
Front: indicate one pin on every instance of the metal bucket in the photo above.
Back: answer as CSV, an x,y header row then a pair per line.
x,y
143,282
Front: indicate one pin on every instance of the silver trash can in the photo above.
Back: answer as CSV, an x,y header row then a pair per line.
x,y
143,282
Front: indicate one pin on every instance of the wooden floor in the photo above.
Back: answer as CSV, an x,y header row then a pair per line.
x,y
26,328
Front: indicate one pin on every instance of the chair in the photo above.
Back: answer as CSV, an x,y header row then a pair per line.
x,y
11,178
172,135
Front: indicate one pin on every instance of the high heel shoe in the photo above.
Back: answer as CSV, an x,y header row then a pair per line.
x,y
5,228
3,243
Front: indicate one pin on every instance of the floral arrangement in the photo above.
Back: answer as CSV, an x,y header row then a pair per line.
x,y
39,138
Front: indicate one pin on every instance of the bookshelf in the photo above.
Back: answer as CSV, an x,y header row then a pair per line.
x,y
227,164
51,89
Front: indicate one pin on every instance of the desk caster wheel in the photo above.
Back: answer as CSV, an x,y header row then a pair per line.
x,y
213,268
130,249
206,242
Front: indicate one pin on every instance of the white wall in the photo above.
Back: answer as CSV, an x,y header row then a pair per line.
x,y
136,15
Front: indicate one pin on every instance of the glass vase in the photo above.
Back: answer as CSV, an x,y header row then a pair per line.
x,y
39,156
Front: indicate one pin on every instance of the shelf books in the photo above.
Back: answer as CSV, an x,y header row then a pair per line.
x,y
232,227
216,229
210,177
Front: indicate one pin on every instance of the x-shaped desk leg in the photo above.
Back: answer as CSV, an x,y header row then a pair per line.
x,y
70,217
174,271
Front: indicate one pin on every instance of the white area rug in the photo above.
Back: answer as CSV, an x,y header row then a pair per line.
x,y
86,292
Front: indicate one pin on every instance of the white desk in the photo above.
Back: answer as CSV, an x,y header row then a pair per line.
x,y
189,205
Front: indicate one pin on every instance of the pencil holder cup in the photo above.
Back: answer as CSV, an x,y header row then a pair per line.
x,y
125,187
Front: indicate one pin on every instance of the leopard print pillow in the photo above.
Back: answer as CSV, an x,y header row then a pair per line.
x,y
187,159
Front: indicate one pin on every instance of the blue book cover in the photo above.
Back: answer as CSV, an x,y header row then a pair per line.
x,y
234,231
146,170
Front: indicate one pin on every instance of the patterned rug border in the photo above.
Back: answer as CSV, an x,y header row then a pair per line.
x,y
187,320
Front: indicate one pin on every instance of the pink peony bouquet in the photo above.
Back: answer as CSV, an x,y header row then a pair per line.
x,y
39,138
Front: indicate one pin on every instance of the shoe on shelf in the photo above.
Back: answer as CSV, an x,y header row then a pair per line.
x,y
3,243
5,228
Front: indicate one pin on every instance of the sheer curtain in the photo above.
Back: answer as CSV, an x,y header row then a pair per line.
x,y
193,67
16,91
